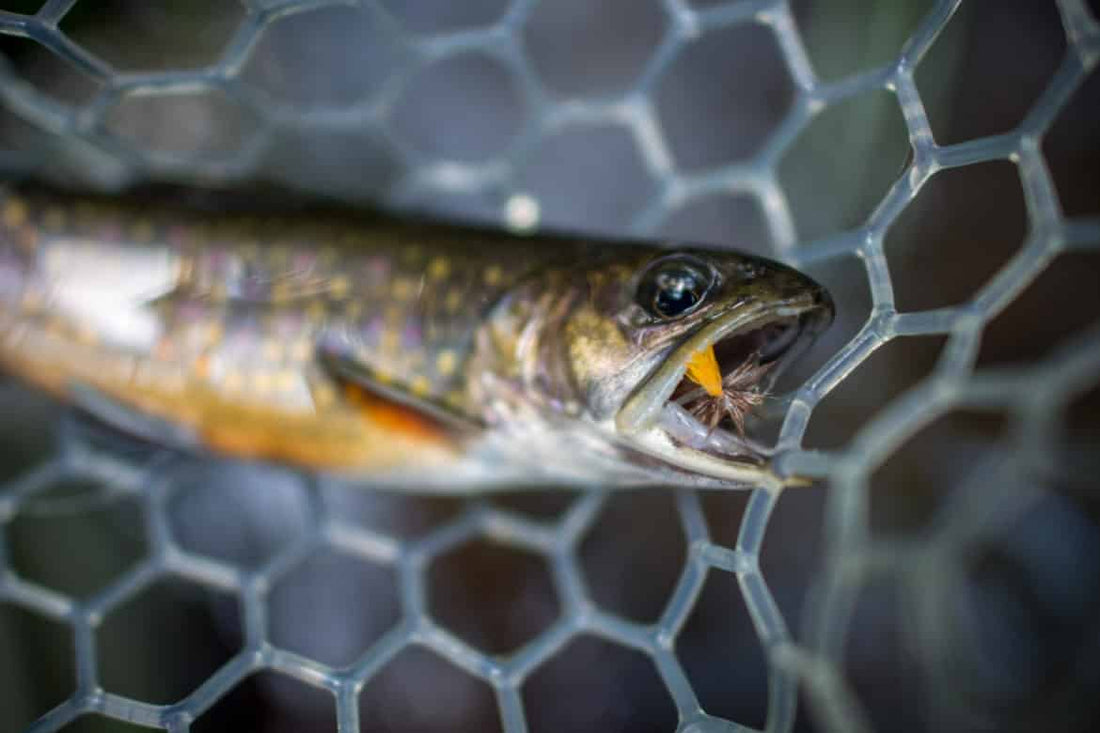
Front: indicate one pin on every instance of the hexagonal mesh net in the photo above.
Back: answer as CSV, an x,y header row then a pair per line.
x,y
935,164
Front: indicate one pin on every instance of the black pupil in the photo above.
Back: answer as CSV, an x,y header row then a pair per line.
x,y
678,291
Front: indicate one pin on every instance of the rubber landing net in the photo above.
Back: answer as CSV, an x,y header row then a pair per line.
x,y
664,112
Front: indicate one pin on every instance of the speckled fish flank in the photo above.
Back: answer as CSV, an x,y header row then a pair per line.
x,y
415,354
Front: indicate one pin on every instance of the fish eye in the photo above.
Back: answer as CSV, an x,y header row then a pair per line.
x,y
674,286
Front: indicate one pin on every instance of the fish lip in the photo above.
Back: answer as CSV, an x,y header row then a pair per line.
x,y
642,410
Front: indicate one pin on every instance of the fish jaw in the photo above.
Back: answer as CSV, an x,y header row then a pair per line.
x,y
652,423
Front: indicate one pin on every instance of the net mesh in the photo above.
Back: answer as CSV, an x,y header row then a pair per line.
x,y
102,143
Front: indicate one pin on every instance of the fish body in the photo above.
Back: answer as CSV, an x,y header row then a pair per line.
x,y
418,355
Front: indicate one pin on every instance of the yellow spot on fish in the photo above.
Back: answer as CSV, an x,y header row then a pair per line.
x,y
394,316
272,350
196,235
214,334
402,288
55,326
382,378
86,335
56,258
232,381
390,342
27,239
86,212
702,369
142,231
445,363
285,380
261,382
13,334
163,350
493,275
316,311
339,287
455,398
453,301
420,386
324,395
301,351
186,275
280,293
31,300
14,213
280,254
439,268
54,219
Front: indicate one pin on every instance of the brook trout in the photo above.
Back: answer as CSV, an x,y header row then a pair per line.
x,y
420,356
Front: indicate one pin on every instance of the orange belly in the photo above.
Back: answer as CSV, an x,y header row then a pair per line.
x,y
349,430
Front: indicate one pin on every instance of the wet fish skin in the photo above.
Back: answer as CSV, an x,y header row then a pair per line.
x,y
439,356
257,292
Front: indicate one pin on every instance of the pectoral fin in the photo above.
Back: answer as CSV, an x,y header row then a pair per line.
x,y
352,373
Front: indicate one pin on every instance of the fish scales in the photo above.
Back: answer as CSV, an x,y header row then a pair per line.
x,y
347,342
250,298
165,305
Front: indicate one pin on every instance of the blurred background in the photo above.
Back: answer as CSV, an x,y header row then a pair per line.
x,y
955,587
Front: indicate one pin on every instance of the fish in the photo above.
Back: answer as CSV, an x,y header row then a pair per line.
x,y
403,353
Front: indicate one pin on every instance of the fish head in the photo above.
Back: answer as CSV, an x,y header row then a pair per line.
x,y
636,321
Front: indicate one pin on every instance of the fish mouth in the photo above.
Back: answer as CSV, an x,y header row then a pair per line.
x,y
752,344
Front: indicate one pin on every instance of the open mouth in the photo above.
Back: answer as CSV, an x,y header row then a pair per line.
x,y
749,363
676,410
746,362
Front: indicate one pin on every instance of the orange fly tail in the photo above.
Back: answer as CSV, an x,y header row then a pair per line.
x,y
702,369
